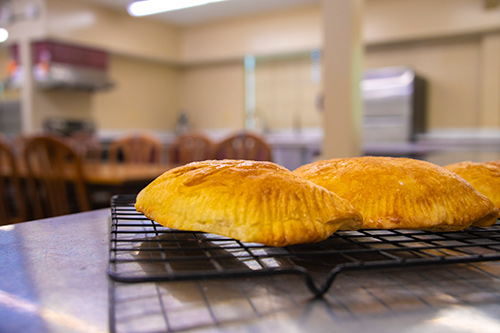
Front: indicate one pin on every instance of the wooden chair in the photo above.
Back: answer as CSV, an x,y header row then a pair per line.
x,y
137,149
17,145
87,145
245,146
12,198
190,147
56,183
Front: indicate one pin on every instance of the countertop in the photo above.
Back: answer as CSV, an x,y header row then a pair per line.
x,y
53,278
53,274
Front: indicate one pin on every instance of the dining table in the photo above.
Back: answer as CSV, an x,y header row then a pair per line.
x,y
119,174
106,173
104,179
55,276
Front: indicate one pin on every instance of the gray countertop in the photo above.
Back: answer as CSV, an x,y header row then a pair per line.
x,y
53,274
53,278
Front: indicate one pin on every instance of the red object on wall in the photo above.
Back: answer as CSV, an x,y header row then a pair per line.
x,y
49,51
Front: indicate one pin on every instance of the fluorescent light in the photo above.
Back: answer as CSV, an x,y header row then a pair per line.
x,y
4,35
149,7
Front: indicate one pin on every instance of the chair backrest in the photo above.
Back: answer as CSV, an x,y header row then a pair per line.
x,y
56,184
87,145
138,149
17,145
190,147
12,198
245,146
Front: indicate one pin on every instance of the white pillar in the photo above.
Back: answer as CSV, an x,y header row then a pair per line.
x,y
489,115
29,24
26,60
342,70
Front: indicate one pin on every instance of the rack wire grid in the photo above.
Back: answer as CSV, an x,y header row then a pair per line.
x,y
143,251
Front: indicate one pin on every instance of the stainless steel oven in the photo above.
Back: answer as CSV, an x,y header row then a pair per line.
x,y
394,105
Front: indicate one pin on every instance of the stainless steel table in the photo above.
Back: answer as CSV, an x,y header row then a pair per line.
x,y
53,274
53,278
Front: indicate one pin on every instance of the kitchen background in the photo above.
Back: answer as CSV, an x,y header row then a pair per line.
x,y
267,67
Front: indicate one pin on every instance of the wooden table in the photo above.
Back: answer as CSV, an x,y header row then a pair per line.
x,y
109,174
103,173
107,179
103,180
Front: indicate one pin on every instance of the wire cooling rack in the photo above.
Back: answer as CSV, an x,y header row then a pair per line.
x,y
144,251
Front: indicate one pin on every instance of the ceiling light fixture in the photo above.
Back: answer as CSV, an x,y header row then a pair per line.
x,y
4,35
149,7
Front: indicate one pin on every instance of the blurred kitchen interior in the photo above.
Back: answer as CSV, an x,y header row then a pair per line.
x,y
288,69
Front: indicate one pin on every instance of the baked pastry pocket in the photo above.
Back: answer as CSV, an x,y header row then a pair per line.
x,y
252,201
403,193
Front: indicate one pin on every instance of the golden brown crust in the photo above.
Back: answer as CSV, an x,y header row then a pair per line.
x,y
485,177
251,201
403,193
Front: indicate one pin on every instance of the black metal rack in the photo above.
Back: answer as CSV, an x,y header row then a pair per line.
x,y
144,251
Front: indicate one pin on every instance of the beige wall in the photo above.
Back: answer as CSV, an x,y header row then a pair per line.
x,y
4,58
392,21
444,40
146,96
285,94
214,96
274,33
490,80
28,28
117,32
454,43
67,104
146,93
452,68
221,86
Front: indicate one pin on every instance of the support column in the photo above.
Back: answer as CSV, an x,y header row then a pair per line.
x,y
27,112
342,70
489,115
29,24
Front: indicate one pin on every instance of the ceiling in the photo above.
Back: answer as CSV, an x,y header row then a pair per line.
x,y
213,11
